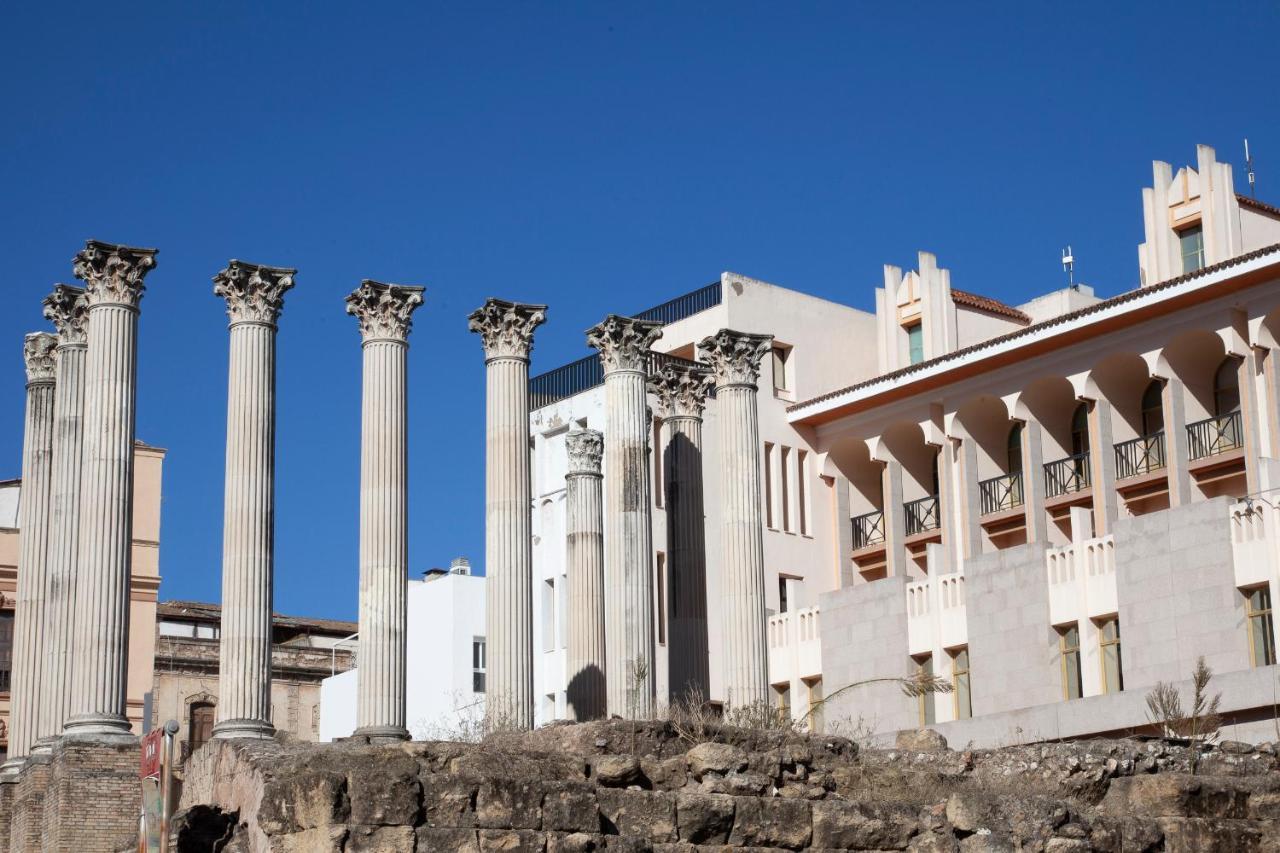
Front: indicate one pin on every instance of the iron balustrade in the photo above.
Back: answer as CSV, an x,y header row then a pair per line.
x,y
586,373
1000,493
868,529
1067,475
1140,455
922,514
1213,436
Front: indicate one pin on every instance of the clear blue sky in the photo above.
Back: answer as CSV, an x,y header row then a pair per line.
x,y
597,157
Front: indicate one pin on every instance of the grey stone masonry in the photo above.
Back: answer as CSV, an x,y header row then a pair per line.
x,y
734,358
506,332
624,344
33,521
67,308
113,277
384,312
255,296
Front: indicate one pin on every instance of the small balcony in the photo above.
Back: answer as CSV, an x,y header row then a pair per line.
x,y
922,515
868,530
1066,476
1000,493
1215,436
1138,456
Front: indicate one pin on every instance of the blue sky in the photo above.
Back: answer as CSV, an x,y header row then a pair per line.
x,y
596,157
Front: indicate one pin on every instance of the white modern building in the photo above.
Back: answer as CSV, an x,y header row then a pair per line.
x,y
446,660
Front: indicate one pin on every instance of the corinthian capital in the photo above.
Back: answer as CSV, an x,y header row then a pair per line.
x,y
734,357
506,328
384,310
68,309
586,448
623,342
37,352
254,293
681,386
112,274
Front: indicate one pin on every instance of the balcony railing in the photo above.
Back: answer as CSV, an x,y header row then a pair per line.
x,y
868,529
1140,455
1000,493
684,306
922,515
1067,475
1213,436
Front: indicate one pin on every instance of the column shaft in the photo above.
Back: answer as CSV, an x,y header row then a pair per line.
x,y
584,553
689,675
1176,455
1102,459
33,523
384,540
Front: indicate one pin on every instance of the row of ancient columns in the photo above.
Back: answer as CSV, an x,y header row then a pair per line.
x,y
609,523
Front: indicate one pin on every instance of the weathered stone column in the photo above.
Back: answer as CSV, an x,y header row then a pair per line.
x,y
33,524
67,308
735,359
584,557
681,389
254,295
384,312
623,343
506,331
113,277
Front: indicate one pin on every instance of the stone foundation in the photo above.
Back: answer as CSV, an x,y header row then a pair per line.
x,y
644,787
26,828
93,797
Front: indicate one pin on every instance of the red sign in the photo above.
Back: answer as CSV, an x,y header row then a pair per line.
x,y
152,750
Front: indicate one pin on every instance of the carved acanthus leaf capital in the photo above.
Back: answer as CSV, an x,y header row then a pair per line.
x,y
506,328
734,357
68,309
681,386
586,449
623,342
254,293
112,273
384,310
37,352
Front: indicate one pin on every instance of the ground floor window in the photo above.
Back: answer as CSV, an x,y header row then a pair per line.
x,y
1069,652
1262,639
924,671
1109,644
202,717
815,705
782,694
477,664
960,682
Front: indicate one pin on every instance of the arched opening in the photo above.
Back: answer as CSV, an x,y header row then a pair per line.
x,y
1080,430
1013,448
1153,408
1226,387
200,727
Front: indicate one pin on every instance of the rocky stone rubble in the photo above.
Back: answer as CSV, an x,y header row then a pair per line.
x,y
621,786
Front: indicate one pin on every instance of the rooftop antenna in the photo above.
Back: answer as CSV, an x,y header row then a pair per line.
x,y
1248,164
1069,266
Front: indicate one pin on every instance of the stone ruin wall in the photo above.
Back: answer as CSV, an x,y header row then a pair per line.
x,y
621,786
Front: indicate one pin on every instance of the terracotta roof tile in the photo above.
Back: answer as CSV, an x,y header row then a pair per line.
x,y
1260,206
986,303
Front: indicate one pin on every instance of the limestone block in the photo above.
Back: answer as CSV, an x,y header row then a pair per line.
x,y
570,807
386,794
324,839
449,801
863,826
1174,795
432,838
576,842
617,771
509,804
715,758
647,814
304,800
771,823
704,818
379,839
511,841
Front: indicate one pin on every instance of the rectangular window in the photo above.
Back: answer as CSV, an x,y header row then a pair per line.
x,y
816,723
662,598
6,649
549,615
1262,640
924,671
1109,643
802,492
780,356
1069,651
477,664
768,486
782,594
658,471
783,694
786,492
960,683
915,343
1191,244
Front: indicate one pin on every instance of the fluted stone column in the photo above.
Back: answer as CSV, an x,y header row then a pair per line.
x,y
624,343
506,331
113,277
384,312
735,359
681,389
67,308
584,555
254,296
33,524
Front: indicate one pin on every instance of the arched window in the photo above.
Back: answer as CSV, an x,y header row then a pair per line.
x,y
1153,408
202,715
1226,388
1080,430
1013,448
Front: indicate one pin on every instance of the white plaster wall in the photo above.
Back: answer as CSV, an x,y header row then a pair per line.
x,y
973,326
9,506
1059,302
1258,230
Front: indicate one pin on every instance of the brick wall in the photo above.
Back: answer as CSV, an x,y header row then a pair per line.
x,y
94,796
